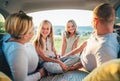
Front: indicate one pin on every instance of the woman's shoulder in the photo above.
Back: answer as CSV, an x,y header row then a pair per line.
x,y
6,37
28,44
12,46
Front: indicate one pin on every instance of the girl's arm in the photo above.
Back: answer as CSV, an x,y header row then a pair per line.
x,y
54,50
76,50
75,43
47,59
42,55
56,55
64,44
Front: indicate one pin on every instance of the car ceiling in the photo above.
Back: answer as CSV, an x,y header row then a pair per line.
x,y
11,6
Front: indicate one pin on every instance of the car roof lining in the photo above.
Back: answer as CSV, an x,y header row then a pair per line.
x,y
39,5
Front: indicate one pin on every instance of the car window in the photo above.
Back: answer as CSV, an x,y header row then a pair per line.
x,y
118,16
2,21
59,18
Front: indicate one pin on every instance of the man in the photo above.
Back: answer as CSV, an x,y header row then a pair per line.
x,y
102,45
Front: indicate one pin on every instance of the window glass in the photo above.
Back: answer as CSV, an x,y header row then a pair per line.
x,y
2,21
59,18
118,16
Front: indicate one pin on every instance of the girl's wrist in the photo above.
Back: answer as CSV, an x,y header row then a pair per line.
x,y
57,56
56,61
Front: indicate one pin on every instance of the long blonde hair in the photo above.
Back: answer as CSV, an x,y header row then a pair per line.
x,y
66,29
38,40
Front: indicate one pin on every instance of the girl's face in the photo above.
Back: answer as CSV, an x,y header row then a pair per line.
x,y
45,31
71,28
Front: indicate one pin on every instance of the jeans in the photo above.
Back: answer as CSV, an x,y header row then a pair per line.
x,y
53,67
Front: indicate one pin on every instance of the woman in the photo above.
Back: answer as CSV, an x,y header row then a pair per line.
x,y
20,54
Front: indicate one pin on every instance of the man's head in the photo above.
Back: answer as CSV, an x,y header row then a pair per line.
x,y
103,18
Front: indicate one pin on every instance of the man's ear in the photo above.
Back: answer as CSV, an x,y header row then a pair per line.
x,y
96,20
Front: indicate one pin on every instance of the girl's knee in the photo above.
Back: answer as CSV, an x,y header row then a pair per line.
x,y
53,67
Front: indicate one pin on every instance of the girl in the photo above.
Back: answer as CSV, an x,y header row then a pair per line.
x,y
45,39
44,44
70,37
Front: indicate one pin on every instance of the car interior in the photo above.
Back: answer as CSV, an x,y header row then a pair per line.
x,y
8,7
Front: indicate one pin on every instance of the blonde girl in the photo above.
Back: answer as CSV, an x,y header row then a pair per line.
x,y
45,39
44,44
70,37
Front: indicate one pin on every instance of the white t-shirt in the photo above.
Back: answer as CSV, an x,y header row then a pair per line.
x,y
99,49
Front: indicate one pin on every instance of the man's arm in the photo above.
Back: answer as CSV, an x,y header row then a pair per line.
x,y
76,50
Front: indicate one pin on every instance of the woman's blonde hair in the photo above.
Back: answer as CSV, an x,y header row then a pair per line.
x,y
38,40
18,24
66,28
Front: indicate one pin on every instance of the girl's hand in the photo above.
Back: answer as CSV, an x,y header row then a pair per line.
x,y
64,67
57,56
64,56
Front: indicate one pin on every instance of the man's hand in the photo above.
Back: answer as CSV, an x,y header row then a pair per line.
x,y
75,66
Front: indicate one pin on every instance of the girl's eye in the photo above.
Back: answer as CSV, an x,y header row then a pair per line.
x,y
43,28
47,28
